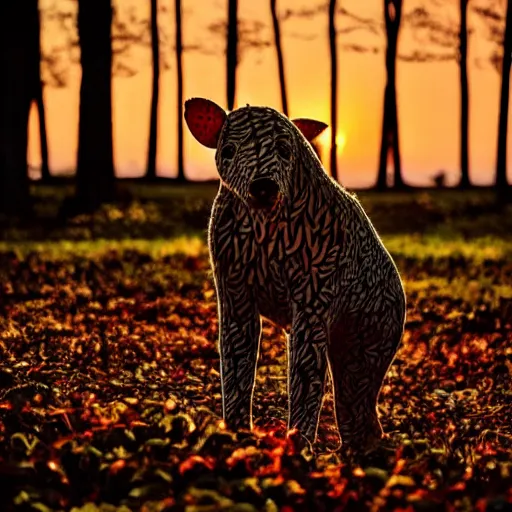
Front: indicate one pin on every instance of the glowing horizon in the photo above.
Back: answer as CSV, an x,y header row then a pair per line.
x,y
427,95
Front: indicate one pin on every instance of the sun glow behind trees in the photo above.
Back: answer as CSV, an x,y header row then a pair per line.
x,y
324,141
428,94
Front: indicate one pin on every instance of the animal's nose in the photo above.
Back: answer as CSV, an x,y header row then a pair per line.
x,y
263,192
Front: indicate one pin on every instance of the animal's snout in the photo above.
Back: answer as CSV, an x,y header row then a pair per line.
x,y
263,193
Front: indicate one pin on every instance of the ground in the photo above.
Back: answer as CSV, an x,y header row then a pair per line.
x,y
109,373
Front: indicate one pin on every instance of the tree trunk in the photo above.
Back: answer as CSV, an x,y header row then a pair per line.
x,y
39,99
232,52
179,71
502,187
382,178
334,89
45,168
153,121
390,142
16,63
280,61
95,175
464,96
398,181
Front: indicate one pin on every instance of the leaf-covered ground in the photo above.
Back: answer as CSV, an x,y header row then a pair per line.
x,y
110,391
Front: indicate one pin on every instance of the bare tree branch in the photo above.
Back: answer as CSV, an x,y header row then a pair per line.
x,y
249,35
357,48
357,23
493,15
422,56
129,31
303,13
489,13
443,33
368,22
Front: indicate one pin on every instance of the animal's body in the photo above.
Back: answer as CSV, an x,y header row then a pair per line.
x,y
289,244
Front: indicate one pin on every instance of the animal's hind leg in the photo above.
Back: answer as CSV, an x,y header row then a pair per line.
x,y
358,366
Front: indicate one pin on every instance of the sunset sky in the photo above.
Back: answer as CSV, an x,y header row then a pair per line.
x,y
428,94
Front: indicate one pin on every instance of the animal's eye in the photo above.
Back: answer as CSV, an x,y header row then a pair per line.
x,y
283,150
227,152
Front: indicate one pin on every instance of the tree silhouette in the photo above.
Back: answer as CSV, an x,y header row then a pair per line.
x,y
389,146
153,121
95,175
232,52
179,75
43,135
334,88
18,62
238,35
35,33
453,39
464,95
249,36
500,32
280,61
502,185
356,23
128,30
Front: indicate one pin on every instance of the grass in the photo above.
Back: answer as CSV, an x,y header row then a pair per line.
x,y
172,210
418,247
65,249
437,247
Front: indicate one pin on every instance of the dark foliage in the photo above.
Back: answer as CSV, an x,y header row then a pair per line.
x,y
111,394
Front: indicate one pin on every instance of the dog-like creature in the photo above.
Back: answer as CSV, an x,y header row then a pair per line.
x,y
289,244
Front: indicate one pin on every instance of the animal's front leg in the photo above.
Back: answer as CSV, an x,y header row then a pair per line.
x,y
239,336
307,367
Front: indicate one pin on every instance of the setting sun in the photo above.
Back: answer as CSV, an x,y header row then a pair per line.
x,y
341,140
325,140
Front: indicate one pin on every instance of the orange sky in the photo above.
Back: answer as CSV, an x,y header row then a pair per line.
x,y
428,95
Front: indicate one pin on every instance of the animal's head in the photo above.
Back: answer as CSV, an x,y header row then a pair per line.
x,y
258,149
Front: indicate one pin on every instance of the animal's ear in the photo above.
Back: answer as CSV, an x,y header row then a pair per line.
x,y
205,120
309,127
